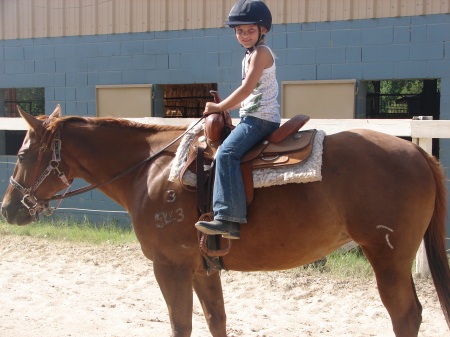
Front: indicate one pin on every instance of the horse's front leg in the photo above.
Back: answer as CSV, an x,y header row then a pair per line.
x,y
175,282
209,292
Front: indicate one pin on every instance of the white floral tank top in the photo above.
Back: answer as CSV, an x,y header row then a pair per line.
x,y
262,102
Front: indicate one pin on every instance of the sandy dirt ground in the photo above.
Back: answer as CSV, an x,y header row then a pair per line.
x,y
57,289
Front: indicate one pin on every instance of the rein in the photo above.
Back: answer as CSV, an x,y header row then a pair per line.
x,y
38,206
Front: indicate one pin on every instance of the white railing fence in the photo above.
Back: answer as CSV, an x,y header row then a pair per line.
x,y
422,130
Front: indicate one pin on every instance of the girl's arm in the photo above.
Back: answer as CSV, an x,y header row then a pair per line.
x,y
260,60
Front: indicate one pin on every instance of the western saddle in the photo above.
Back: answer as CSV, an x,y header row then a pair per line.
x,y
286,146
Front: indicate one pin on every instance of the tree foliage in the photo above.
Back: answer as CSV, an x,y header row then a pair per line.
x,y
32,100
395,87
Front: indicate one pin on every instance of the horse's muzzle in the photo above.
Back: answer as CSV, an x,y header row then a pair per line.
x,y
16,215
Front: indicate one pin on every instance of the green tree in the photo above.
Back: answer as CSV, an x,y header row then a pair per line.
x,y
395,87
33,99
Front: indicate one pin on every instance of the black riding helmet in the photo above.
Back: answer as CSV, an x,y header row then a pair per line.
x,y
250,12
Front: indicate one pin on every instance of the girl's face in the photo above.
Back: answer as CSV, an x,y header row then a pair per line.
x,y
248,35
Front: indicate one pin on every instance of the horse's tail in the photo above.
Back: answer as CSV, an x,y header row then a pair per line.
x,y
434,239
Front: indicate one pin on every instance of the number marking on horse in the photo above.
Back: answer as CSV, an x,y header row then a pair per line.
x,y
169,218
172,196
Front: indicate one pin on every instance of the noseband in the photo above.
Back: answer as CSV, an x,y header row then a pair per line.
x,y
34,206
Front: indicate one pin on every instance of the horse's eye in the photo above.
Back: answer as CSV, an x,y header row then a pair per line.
x,y
21,158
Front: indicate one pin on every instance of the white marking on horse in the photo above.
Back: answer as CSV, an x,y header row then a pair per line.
x,y
387,235
388,242
385,227
172,196
169,218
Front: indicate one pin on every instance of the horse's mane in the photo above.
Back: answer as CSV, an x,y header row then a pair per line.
x,y
56,123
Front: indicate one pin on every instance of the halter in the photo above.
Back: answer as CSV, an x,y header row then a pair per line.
x,y
36,207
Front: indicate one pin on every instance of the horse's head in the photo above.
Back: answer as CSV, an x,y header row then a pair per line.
x,y
33,181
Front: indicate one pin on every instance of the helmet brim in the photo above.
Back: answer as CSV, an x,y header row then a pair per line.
x,y
239,23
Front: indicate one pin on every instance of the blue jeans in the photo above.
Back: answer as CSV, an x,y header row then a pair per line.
x,y
229,201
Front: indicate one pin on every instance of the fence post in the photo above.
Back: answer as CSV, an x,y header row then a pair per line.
x,y
422,267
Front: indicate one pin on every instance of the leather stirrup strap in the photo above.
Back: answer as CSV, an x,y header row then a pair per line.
x,y
247,177
202,177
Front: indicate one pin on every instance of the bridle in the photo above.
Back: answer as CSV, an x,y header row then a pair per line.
x,y
35,206
42,206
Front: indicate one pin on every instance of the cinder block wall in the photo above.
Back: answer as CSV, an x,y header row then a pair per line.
x,y
375,49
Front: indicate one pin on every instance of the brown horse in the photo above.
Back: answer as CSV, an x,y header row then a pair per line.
x,y
383,192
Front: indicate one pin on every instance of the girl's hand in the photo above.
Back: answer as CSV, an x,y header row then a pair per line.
x,y
211,107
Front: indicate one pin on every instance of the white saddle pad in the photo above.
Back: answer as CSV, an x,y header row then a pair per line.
x,y
304,172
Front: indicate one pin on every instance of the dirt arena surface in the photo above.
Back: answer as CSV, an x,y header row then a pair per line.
x,y
57,289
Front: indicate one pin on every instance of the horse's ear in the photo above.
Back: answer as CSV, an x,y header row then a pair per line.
x,y
32,121
57,112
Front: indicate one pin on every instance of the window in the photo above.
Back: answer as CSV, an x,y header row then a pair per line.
x,y
187,100
404,99
31,100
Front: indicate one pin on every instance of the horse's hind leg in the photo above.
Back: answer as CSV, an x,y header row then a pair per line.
x,y
209,292
397,292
